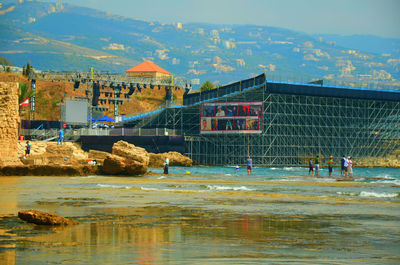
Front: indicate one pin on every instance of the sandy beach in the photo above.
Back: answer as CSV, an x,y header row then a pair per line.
x,y
205,215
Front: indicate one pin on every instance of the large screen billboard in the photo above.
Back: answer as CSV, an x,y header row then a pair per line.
x,y
75,112
232,117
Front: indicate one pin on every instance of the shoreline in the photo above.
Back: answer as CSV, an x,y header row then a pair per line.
x,y
96,170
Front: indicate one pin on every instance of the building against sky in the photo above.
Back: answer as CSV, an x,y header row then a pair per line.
x,y
149,70
298,121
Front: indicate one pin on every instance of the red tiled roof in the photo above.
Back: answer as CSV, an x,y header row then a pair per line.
x,y
147,67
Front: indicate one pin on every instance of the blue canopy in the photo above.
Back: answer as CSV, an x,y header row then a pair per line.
x,y
90,118
105,118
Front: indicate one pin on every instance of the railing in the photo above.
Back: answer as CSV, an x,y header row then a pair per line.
x,y
74,134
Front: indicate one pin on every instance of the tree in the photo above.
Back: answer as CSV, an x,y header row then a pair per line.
x,y
207,85
28,70
5,61
25,92
6,64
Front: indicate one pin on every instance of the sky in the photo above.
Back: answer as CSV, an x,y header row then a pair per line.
x,y
343,17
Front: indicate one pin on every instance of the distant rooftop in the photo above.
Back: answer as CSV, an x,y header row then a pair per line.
x,y
148,67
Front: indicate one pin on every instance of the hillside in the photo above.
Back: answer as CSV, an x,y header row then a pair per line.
x,y
66,37
49,96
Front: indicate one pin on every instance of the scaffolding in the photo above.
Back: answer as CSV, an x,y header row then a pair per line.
x,y
300,121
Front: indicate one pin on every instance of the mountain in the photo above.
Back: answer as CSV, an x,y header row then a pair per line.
x,y
55,36
365,43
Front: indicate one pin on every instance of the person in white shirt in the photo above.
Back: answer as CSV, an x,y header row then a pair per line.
x,y
346,165
166,164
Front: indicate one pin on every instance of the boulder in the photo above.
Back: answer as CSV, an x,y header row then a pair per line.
x,y
43,218
49,170
131,152
99,156
126,159
113,164
175,159
49,153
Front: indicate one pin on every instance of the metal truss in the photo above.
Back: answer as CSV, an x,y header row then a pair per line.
x,y
295,128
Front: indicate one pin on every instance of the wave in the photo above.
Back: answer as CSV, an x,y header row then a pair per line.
x,y
174,190
369,194
391,181
384,176
109,186
242,188
378,195
290,168
84,177
347,193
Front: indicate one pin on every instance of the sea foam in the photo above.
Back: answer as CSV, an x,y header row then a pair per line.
x,y
378,195
242,188
108,186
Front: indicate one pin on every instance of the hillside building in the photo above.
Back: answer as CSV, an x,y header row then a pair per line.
x,y
149,70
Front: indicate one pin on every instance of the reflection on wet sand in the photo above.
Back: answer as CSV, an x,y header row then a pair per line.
x,y
170,223
154,234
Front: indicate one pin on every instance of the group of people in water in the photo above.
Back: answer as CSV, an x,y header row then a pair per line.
x,y
346,166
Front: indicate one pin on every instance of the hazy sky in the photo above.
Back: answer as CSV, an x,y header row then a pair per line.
x,y
344,17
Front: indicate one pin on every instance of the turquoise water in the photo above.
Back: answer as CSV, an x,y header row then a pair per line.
x,y
206,215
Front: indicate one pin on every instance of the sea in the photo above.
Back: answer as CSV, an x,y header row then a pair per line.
x,y
206,215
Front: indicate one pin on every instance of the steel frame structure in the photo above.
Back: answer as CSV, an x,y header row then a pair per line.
x,y
295,128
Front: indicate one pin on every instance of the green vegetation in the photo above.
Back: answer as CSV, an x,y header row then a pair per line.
x,y
28,70
25,92
5,61
207,85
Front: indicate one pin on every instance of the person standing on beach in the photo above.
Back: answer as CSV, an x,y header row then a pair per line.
x,y
350,166
166,164
317,166
249,166
342,170
330,165
345,165
310,167
27,148
60,137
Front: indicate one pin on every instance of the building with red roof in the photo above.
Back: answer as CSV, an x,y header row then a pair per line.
x,y
148,69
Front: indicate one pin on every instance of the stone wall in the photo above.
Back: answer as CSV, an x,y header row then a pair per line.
x,y
9,123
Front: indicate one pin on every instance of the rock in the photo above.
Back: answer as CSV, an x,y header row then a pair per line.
x,y
175,159
113,164
99,156
43,218
126,159
131,152
67,149
49,170
49,153
9,123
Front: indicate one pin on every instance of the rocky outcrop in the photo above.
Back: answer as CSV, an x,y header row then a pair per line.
x,y
50,159
126,159
43,218
49,153
99,156
49,170
9,123
391,161
175,159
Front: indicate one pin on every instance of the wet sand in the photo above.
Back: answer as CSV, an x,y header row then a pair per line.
x,y
183,219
